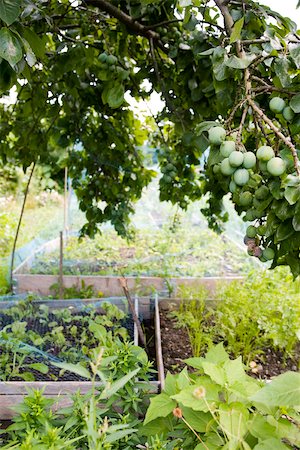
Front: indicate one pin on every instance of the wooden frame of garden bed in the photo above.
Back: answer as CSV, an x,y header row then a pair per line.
x,y
13,392
110,285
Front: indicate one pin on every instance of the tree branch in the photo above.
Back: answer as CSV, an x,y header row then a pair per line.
x,y
127,20
276,130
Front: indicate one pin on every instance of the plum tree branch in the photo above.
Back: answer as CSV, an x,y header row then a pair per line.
x,y
276,130
127,20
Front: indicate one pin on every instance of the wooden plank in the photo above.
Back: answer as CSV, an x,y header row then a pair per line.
x,y
49,387
8,402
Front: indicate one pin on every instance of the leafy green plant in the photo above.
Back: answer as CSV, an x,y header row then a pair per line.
x,y
219,406
74,292
36,426
249,316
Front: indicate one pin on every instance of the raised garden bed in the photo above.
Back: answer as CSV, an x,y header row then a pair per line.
x,y
12,392
176,347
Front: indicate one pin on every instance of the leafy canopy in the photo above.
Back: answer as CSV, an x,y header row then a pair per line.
x,y
214,62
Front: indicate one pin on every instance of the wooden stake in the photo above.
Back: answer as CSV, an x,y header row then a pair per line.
x,y
61,274
123,283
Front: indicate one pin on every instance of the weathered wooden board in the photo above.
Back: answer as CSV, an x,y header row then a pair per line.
x,y
110,286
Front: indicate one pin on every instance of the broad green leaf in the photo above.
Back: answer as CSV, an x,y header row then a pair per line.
x,y
234,370
30,56
295,55
281,67
119,384
199,396
284,231
216,373
197,419
233,419
292,194
284,390
295,103
10,47
272,443
9,10
183,380
115,95
239,63
217,354
261,429
74,368
160,406
170,384
160,425
36,43
236,31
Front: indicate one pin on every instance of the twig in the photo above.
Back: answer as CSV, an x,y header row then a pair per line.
x,y
240,130
19,226
123,283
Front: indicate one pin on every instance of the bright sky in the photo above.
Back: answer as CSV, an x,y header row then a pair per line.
x,y
286,8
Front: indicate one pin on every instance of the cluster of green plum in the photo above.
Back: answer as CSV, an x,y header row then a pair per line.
x,y
247,171
279,106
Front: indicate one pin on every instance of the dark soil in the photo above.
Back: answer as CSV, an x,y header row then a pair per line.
x,y
176,347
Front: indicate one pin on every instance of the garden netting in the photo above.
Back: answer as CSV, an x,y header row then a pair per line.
x,y
168,242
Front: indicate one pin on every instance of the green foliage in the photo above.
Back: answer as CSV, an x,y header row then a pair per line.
x,y
219,406
72,78
78,338
249,316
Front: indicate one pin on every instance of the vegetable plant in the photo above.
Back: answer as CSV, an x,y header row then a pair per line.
x,y
220,407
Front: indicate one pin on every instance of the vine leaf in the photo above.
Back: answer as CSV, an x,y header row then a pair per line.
x,y
10,48
9,10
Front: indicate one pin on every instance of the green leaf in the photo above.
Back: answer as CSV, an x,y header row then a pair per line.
x,y
197,419
9,10
296,218
292,194
115,95
236,31
36,43
40,367
10,48
295,55
295,103
217,354
74,368
233,419
216,373
199,396
119,384
239,63
283,390
117,435
282,66
160,406
284,231
272,443
205,126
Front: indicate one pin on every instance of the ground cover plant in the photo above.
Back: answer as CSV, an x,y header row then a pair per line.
x,y
181,250
257,319
217,407
38,344
220,407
